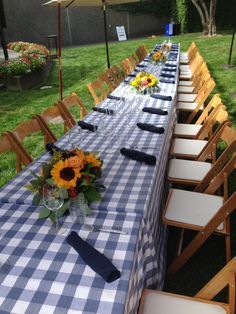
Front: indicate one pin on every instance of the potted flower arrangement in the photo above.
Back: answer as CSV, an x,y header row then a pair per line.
x,y
144,81
29,69
159,56
76,173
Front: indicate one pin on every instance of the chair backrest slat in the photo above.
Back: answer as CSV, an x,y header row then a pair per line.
x,y
218,282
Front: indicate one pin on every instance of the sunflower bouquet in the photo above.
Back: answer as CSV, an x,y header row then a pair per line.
x,y
143,81
76,173
159,56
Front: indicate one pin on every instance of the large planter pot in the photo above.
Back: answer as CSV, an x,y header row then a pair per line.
x,y
28,80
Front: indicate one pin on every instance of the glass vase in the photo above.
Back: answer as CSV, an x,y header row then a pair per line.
x,y
77,215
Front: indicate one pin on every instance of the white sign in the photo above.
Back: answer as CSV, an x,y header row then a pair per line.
x,y
121,33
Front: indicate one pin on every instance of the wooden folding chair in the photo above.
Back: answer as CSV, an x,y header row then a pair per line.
x,y
127,66
108,79
74,100
98,90
203,149
159,302
186,57
203,212
141,52
117,73
202,131
24,130
198,172
195,103
198,80
6,146
193,68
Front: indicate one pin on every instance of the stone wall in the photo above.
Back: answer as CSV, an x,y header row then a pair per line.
x,y
28,20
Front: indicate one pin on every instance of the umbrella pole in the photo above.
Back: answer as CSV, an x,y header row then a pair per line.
x,y
231,47
59,49
105,30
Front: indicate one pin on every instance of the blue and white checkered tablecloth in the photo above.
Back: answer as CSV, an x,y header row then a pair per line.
x,y
131,187
48,276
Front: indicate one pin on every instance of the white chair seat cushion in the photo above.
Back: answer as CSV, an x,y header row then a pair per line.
x,y
185,83
184,67
161,303
184,54
187,106
185,89
185,76
193,208
188,147
188,169
187,97
184,129
184,61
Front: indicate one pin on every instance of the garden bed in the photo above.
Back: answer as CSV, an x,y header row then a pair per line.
x,y
28,80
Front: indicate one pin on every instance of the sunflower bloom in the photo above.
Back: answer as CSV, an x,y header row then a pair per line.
x,y
64,175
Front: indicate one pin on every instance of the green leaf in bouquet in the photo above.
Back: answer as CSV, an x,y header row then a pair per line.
x,y
50,181
92,195
35,183
46,170
37,199
44,213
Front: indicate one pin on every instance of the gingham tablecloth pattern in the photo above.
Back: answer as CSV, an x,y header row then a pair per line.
x,y
48,276
131,187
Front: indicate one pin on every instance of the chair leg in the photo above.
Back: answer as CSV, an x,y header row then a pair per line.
x,y
228,240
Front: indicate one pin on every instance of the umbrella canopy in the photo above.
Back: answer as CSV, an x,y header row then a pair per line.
x,y
68,3
87,3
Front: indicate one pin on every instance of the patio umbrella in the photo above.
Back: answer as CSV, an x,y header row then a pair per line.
x,y
68,3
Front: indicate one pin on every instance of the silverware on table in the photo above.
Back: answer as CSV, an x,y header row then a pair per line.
x,y
109,230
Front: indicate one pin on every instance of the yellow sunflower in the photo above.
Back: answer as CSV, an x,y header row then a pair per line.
x,y
64,175
91,158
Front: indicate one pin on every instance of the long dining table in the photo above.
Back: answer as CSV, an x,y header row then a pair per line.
x,y
46,275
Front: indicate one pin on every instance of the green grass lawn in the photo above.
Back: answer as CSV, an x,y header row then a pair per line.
x,y
83,64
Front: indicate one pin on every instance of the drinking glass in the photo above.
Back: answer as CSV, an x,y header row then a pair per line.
x,y
76,135
53,201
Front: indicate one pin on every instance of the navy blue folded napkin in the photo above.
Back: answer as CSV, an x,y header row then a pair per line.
x,y
141,65
167,75
162,97
87,126
155,111
128,79
108,112
94,259
132,75
150,128
170,65
167,81
139,156
113,97
50,147
171,69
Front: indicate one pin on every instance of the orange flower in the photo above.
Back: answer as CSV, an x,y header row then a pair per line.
x,y
91,158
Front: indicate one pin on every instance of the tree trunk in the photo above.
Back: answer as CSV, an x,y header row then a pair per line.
x,y
207,16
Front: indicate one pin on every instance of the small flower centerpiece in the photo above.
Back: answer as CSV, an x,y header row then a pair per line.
x,y
76,173
159,56
144,81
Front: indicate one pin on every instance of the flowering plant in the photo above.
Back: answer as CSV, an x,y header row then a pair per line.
x,y
33,57
159,56
75,173
144,80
